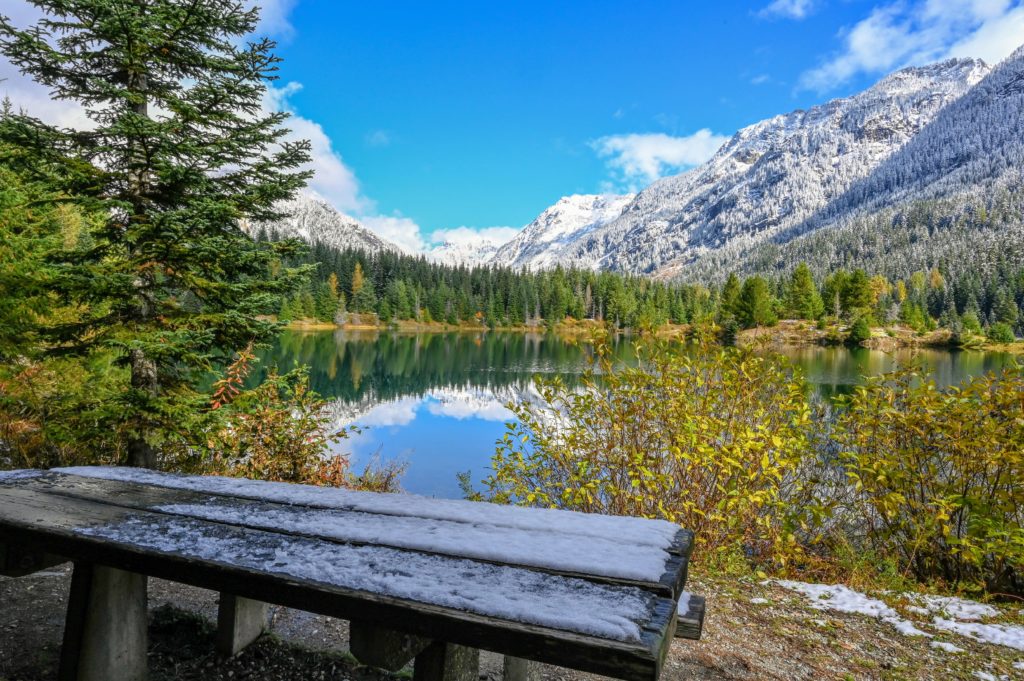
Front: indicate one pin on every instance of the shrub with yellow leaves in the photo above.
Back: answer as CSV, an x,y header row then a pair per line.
x,y
715,439
937,475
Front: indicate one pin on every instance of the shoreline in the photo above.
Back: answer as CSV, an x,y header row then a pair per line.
x,y
787,333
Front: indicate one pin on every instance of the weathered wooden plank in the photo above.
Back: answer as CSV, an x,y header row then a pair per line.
x,y
35,519
384,648
447,662
691,623
147,497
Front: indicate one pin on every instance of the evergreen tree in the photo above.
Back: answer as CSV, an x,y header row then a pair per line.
x,y
755,306
856,296
730,296
182,155
802,298
859,332
1005,309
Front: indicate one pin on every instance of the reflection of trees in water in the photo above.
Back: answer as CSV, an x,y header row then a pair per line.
x,y
385,366
372,367
833,371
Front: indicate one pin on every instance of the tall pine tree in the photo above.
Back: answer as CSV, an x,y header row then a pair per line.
x,y
185,153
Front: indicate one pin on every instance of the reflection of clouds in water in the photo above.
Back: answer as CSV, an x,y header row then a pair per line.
x,y
454,403
392,413
479,404
374,419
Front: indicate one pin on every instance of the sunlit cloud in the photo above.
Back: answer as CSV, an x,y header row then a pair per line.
x,y
646,157
903,34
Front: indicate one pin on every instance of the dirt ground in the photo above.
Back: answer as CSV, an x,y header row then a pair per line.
x,y
752,631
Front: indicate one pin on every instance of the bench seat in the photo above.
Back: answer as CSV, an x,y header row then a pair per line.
x,y
589,592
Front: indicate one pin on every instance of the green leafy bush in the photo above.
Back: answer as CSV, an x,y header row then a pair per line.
x,y
859,332
1001,332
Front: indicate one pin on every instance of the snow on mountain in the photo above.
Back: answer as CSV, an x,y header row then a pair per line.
x,y
543,242
313,220
769,176
470,254
467,246
974,140
969,158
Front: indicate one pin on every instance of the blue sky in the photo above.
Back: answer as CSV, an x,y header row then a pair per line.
x,y
432,116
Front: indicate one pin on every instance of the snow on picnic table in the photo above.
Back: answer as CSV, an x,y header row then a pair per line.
x,y
614,612
22,474
607,546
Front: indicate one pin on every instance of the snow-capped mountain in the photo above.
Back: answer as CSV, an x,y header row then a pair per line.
x,y
313,220
949,197
543,242
770,176
470,251
975,140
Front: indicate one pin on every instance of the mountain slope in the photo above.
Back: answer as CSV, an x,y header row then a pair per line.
x,y
313,220
469,250
774,174
543,242
953,196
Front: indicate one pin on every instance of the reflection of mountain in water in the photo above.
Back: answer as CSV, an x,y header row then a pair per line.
x,y
456,403
366,369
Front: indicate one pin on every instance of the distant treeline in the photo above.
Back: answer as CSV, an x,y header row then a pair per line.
x,y
396,286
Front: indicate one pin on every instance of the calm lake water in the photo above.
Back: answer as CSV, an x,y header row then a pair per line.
x,y
437,400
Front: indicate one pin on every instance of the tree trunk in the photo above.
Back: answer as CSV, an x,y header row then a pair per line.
x,y
144,374
144,377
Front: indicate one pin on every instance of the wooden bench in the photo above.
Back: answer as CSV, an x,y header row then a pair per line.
x,y
421,579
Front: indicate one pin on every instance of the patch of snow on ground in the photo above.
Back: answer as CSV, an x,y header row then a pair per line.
x,y
844,599
1009,635
759,601
638,531
948,647
606,611
951,607
1019,665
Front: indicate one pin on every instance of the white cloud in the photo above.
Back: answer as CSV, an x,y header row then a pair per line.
x,y
471,236
274,18
397,229
332,178
646,157
909,33
792,9
995,39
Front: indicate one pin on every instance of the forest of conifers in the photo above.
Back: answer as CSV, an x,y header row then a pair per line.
x,y
396,286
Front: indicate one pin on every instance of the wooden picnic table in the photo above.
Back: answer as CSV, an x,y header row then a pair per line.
x,y
431,579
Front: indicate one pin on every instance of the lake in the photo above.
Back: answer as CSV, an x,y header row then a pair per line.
x,y
438,400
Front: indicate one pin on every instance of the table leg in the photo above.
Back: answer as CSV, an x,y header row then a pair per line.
x,y
105,629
